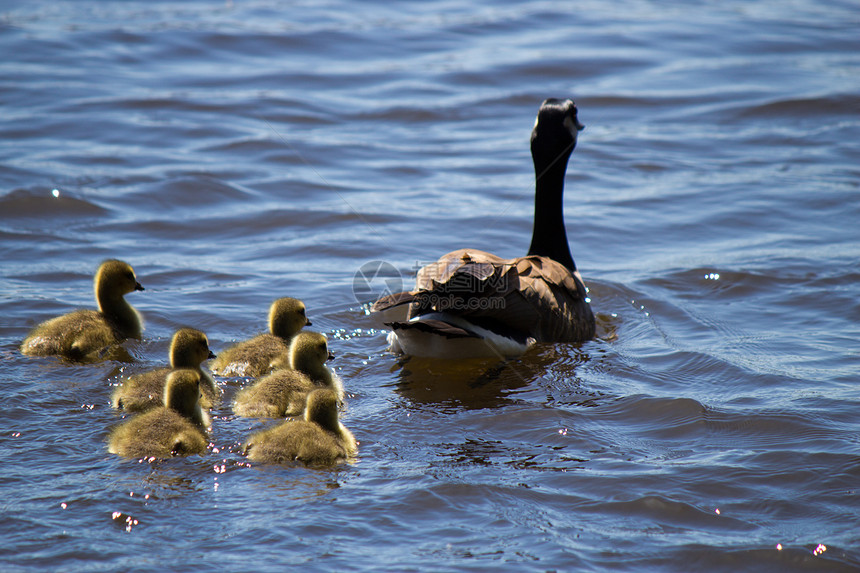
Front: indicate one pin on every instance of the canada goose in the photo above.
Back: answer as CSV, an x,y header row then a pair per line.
x,y
81,333
283,392
473,304
317,439
253,357
188,349
176,429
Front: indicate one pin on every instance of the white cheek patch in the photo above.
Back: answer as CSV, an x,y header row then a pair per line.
x,y
571,126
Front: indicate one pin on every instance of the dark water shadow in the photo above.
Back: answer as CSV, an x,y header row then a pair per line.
x,y
478,383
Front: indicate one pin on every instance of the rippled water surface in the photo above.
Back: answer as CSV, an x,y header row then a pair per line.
x,y
238,152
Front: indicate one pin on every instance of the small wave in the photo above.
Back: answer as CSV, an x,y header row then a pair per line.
x,y
44,202
668,512
657,416
754,557
199,190
827,106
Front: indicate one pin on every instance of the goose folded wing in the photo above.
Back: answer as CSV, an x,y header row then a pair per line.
x,y
558,297
528,297
525,297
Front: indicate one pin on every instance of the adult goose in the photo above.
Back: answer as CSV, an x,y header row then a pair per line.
x,y
471,303
82,334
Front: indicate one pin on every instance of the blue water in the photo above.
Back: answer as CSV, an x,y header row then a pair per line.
x,y
237,152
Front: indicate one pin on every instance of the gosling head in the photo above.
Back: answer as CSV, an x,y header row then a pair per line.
x,y
555,132
189,348
115,279
321,409
309,352
182,392
287,316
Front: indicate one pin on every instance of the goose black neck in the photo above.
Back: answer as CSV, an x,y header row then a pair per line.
x,y
549,238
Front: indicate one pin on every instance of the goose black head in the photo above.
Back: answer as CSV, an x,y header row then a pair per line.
x,y
555,132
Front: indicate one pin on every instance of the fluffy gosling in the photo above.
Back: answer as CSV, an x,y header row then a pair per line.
x,y
283,392
287,316
188,349
176,429
319,439
82,334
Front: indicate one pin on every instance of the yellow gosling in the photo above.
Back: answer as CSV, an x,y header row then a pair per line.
x,y
176,429
319,439
82,334
287,316
188,349
284,391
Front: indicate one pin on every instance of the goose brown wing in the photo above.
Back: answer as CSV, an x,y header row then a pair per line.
x,y
525,297
559,298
